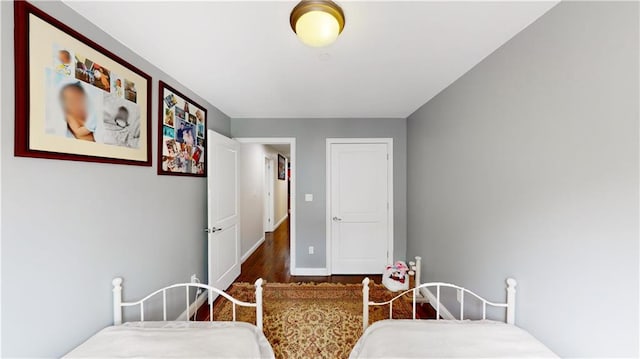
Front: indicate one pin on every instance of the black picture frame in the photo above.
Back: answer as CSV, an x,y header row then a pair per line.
x,y
282,168
172,102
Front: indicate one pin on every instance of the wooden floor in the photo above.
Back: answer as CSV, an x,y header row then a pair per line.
x,y
271,263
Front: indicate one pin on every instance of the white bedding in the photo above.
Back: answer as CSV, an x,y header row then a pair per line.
x,y
176,340
447,338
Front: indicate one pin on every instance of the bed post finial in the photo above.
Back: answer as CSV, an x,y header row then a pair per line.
x,y
365,303
511,300
418,270
258,285
117,300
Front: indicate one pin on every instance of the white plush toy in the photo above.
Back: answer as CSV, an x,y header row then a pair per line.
x,y
396,277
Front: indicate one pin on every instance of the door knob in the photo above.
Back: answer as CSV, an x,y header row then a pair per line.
x,y
337,219
212,230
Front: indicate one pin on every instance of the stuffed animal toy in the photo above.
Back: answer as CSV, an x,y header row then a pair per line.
x,y
398,271
395,276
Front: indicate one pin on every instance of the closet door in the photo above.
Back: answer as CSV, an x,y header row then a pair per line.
x,y
360,229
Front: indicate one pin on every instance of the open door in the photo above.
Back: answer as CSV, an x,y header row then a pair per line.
x,y
223,214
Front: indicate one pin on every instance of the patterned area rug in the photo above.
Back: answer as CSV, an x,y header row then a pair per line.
x,y
309,320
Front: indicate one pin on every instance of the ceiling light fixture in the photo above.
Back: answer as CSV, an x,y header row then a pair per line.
x,y
317,22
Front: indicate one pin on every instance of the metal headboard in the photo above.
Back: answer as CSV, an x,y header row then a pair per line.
x,y
118,304
509,305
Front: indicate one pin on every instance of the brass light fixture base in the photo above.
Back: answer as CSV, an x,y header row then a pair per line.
x,y
326,6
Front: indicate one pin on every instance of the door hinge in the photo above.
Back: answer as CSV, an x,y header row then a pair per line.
x,y
387,157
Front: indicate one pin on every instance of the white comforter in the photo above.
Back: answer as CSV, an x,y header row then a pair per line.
x,y
176,340
447,338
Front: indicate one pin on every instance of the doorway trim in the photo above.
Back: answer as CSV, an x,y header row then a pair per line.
x,y
291,141
390,239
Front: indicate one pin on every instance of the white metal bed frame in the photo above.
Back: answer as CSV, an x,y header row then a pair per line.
x,y
417,297
118,304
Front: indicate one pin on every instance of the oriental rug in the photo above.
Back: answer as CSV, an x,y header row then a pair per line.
x,y
312,320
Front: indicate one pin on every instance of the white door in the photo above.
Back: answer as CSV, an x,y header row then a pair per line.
x,y
361,239
268,194
223,217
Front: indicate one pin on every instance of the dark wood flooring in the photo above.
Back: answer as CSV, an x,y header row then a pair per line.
x,y
271,263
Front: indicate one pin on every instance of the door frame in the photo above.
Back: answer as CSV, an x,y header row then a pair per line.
x,y
269,185
291,141
390,239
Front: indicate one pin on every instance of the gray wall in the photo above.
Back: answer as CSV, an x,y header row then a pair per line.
x,y
527,166
310,165
251,164
70,227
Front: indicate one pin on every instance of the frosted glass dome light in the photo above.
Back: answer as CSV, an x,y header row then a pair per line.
x,y
317,23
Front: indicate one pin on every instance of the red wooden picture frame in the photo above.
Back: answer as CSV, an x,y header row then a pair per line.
x,y
22,12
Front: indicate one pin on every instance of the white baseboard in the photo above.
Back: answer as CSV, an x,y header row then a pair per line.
x,y
252,249
444,312
194,306
310,272
280,221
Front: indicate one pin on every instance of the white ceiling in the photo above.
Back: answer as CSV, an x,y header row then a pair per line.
x,y
242,56
282,149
